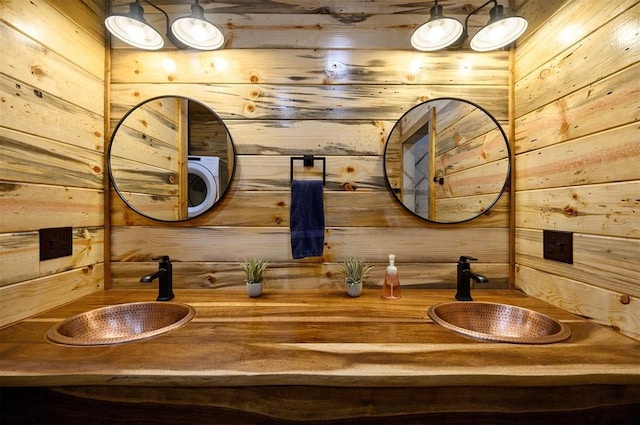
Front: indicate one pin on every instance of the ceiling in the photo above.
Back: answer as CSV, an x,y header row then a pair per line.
x,y
331,7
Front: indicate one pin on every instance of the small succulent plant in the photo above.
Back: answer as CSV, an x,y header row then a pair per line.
x,y
355,270
254,267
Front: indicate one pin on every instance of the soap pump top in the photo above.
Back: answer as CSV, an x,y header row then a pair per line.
x,y
391,268
391,285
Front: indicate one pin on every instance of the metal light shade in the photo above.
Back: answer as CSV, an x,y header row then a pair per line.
x,y
195,31
437,33
133,29
499,31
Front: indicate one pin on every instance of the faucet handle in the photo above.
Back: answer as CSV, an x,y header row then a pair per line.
x,y
164,259
464,258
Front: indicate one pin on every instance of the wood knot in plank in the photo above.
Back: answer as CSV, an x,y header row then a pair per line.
x,y
334,71
37,71
348,187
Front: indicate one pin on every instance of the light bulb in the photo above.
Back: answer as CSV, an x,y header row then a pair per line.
x,y
198,31
135,33
435,33
497,31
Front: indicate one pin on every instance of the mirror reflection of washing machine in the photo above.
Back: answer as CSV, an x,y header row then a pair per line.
x,y
204,183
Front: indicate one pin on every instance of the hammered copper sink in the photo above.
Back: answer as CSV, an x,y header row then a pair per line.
x,y
498,322
121,323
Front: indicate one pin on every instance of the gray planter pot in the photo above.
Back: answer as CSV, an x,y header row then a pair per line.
x,y
354,289
254,289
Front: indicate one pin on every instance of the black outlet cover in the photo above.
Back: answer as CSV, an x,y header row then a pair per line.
x,y
55,242
558,246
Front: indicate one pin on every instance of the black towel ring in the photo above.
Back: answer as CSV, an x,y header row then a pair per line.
x,y
308,161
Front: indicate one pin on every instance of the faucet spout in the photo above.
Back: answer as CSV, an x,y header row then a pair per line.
x,y
478,277
150,277
464,278
165,278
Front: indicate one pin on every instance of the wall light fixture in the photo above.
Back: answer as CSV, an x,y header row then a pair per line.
x,y
195,31
133,29
437,33
188,31
501,30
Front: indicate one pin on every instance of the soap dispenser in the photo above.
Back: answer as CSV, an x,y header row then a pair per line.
x,y
391,285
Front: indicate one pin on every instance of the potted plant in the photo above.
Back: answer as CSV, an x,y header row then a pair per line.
x,y
355,271
254,268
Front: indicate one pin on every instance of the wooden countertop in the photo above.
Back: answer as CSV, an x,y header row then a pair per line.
x,y
315,338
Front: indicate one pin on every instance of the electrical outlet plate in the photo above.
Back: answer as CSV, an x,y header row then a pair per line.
x,y
55,242
558,246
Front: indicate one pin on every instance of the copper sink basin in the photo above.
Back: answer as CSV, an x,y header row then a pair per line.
x,y
121,323
499,322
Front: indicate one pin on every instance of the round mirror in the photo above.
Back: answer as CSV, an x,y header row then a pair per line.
x,y
171,158
447,160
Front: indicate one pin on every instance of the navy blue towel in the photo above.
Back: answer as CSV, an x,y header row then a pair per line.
x,y
307,218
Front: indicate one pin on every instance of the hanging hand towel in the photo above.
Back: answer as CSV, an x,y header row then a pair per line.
x,y
307,218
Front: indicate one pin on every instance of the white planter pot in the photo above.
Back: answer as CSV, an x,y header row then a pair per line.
x,y
254,289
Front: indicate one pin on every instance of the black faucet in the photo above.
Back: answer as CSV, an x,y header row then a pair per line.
x,y
464,278
165,278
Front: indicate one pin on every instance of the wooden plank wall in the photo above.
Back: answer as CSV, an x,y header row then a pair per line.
x,y
578,149
300,98
52,151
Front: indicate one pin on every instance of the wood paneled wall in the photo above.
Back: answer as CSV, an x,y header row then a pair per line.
x,y
578,149
52,151
299,99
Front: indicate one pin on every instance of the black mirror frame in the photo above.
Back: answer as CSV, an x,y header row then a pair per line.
x,y
115,131
505,185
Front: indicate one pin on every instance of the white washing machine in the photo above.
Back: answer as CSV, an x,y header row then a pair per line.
x,y
204,183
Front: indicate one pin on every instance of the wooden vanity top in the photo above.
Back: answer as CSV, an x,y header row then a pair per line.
x,y
315,338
